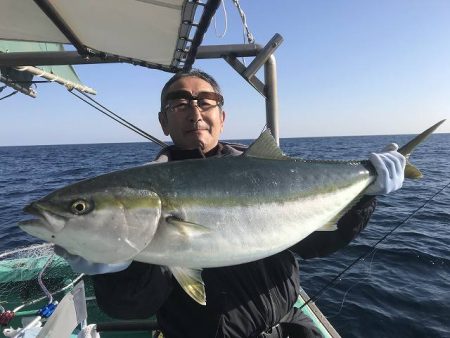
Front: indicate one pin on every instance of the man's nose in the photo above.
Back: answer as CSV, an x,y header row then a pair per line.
x,y
194,112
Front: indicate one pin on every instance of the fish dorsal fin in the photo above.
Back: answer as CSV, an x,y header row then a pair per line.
x,y
265,147
191,281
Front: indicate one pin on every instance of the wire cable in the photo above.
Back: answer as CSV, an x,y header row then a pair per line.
x,y
119,119
6,96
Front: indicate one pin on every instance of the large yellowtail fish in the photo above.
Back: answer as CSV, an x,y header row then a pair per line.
x,y
203,213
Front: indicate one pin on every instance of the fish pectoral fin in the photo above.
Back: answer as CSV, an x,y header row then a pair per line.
x,y
265,147
191,281
186,228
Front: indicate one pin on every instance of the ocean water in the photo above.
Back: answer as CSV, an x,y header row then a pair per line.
x,y
402,289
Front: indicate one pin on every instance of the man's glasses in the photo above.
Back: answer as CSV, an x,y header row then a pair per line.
x,y
181,101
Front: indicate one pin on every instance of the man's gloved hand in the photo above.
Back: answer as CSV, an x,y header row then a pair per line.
x,y
390,167
80,265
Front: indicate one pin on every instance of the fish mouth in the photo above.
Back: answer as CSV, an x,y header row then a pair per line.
x,y
32,209
45,217
30,222
36,227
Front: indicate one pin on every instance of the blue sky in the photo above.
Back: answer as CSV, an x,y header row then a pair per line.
x,y
346,67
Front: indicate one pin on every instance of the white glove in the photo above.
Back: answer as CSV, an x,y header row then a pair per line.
x,y
81,265
390,167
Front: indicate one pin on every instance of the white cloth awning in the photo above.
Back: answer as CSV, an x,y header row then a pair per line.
x,y
157,32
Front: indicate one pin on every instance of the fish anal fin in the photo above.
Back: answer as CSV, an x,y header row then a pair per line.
x,y
192,283
412,172
265,147
188,229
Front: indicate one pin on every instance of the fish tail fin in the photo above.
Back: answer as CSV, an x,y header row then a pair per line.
x,y
410,170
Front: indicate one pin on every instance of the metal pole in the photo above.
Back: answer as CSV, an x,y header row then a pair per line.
x,y
18,87
220,51
16,59
270,75
263,55
270,78
50,11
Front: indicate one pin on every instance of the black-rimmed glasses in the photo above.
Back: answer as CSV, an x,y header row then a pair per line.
x,y
182,101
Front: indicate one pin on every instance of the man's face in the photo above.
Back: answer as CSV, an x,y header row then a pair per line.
x,y
192,128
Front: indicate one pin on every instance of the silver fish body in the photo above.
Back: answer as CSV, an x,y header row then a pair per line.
x,y
199,213
226,211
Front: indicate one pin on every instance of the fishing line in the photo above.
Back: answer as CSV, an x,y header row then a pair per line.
x,y
119,119
351,287
371,250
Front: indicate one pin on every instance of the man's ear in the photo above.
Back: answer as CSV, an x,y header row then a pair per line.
x,y
223,120
163,121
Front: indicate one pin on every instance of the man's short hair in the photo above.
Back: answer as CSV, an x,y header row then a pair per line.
x,y
189,73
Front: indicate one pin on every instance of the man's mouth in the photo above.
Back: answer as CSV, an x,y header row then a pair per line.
x,y
197,130
198,127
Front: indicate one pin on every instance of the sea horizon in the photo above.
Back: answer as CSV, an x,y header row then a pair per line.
x,y
222,140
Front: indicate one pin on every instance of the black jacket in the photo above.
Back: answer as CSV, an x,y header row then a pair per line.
x,y
243,300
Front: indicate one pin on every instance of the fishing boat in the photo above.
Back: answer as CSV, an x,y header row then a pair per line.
x,y
33,35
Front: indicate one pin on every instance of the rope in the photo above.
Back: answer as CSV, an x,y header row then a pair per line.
x,y
371,249
220,36
246,31
71,284
41,283
27,248
119,119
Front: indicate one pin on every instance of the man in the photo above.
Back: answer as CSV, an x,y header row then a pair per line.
x,y
248,300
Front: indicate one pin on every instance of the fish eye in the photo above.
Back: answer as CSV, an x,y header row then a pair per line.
x,y
80,207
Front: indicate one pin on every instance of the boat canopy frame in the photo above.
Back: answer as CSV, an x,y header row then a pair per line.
x,y
187,50
263,57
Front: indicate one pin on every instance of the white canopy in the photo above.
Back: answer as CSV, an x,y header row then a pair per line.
x,y
157,32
